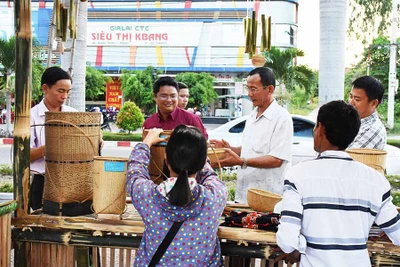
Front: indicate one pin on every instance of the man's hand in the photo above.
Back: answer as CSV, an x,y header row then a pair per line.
x,y
291,258
231,159
219,143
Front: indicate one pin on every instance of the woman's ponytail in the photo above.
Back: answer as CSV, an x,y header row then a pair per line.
x,y
180,194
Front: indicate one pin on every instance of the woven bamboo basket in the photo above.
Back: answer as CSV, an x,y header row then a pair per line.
x,y
261,200
72,140
216,154
109,185
157,157
6,210
374,158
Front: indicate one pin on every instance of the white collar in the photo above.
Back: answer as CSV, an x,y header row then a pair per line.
x,y
167,185
268,112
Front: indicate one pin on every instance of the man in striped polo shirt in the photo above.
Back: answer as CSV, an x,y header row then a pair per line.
x,y
330,203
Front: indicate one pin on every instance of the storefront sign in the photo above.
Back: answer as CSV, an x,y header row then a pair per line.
x,y
113,94
144,34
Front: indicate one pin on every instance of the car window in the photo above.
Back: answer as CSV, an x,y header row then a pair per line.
x,y
238,128
302,128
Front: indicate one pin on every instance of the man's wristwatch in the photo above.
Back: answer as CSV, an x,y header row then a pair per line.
x,y
244,166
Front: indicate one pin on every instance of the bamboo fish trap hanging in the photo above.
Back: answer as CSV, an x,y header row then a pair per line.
x,y
72,141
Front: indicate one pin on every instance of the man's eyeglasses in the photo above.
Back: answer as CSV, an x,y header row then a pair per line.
x,y
253,90
166,97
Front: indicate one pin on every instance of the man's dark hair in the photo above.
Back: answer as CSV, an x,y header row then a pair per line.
x,y
341,121
182,85
164,81
373,87
53,74
266,74
186,154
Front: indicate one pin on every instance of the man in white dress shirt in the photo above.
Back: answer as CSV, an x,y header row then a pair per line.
x,y
266,149
330,203
56,86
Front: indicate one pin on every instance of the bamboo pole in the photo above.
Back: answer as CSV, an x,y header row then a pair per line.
x,y
80,223
23,83
51,35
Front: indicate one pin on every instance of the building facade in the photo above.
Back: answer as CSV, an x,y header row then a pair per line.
x,y
172,36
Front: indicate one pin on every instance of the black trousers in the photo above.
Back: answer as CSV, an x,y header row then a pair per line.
x,y
36,192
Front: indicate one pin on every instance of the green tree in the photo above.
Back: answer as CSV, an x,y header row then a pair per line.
x,y
130,117
289,75
137,86
201,88
95,83
37,72
378,54
7,60
369,18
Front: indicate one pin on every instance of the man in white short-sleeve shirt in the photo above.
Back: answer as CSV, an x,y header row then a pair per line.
x,y
56,86
267,139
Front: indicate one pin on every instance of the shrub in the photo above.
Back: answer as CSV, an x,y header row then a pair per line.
x,y
136,137
130,117
6,169
7,188
394,142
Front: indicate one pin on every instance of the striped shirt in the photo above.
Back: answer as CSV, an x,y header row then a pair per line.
x,y
329,205
372,133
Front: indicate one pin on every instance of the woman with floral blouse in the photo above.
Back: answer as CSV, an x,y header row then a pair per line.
x,y
193,195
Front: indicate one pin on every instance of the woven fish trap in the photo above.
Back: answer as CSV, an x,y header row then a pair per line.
x,y
109,185
72,141
374,158
157,157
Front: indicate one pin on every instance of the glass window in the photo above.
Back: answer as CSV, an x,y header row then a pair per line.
x,y
238,128
302,128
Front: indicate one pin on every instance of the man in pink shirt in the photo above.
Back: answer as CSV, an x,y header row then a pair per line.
x,y
169,115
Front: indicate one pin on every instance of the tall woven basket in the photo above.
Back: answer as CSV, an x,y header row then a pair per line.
x,y
109,185
72,141
157,157
374,158
6,210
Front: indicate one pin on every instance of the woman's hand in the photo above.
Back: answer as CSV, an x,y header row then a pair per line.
x,y
153,137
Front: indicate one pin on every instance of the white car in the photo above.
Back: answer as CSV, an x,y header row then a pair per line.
x,y
303,143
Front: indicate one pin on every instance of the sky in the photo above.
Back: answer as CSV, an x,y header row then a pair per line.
x,y
308,36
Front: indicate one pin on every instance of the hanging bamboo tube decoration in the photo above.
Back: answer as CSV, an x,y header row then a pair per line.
x,y
268,47
72,21
248,36
64,24
245,26
58,17
60,32
254,35
263,44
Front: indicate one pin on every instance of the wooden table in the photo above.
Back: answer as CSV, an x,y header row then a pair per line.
x,y
125,234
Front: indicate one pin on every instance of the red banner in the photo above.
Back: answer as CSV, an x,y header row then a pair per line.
x,y
114,94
